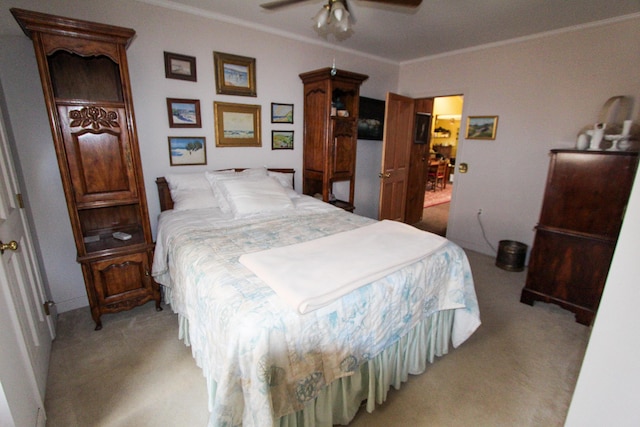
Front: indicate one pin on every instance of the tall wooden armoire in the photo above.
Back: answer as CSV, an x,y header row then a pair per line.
x,y
331,103
85,79
582,212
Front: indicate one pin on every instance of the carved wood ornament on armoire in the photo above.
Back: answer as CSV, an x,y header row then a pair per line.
x,y
85,80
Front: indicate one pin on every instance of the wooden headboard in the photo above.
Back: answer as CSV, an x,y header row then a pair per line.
x,y
164,194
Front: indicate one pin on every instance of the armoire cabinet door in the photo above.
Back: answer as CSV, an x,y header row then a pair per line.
x,y
98,153
343,155
121,282
315,128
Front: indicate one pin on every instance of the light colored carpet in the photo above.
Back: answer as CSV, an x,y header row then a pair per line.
x,y
518,369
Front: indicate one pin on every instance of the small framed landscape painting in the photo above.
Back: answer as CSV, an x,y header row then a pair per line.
x,y
282,140
181,67
183,113
187,150
482,127
281,113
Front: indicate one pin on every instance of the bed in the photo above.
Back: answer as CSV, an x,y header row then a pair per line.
x,y
271,359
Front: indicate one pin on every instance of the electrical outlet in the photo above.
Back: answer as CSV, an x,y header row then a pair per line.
x,y
480,211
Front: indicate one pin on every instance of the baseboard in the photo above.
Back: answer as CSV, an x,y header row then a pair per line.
x,y
72,304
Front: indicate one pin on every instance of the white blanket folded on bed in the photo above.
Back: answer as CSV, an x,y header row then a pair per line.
x,y
312,274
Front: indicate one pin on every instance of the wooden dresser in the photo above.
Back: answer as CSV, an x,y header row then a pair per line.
x,y
582,212
85,80
330,133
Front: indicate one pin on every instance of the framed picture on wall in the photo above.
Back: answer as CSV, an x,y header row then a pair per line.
x,y
181,67
281,113
282,140
235,75
423,128
183,113
482,127
237,125
187,150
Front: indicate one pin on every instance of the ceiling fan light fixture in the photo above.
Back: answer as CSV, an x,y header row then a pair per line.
x,y
334,16
343,24
337,11
321,19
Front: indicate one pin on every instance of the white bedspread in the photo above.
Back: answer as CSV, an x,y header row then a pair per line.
x,y
312,274
261,358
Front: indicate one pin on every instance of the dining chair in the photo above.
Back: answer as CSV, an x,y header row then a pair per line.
x,y
436,175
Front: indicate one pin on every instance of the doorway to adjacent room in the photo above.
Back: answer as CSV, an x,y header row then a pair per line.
x,y
446,128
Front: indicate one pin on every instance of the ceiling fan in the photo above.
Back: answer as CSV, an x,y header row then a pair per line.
x,y
335,14
281,3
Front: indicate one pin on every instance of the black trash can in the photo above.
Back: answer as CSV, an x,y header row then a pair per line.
x,y
511,255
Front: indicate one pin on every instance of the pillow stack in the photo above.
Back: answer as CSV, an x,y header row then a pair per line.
x,y
248,192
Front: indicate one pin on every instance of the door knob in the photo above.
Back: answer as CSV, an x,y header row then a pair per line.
x,y
384,175
12,246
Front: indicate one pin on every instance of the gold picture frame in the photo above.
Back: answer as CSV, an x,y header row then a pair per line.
x,y
237,125
482,127
235,74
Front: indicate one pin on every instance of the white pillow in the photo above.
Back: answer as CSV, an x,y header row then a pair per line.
x,y
253,172
253,195
190,191
286,180
213,179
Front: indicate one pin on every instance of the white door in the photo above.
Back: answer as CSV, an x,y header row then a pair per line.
x,y
26,331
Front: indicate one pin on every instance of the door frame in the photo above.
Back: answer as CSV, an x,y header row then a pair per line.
x,y
464,92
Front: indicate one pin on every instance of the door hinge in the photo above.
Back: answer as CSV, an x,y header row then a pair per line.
x,y
46,305
19,200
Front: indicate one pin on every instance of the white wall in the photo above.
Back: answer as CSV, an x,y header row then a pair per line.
x,y
279,61
544,90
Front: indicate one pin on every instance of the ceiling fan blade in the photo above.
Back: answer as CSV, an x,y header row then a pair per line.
x,y
409,3
279,3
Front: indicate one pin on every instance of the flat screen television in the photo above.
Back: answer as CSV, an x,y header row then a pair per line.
x,y
371,119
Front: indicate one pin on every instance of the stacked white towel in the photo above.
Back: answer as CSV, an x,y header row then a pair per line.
x,y
312,274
